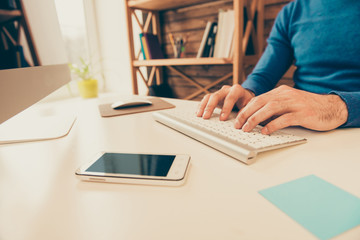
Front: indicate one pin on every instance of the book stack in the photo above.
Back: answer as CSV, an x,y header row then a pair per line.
x,y
150,46
218,37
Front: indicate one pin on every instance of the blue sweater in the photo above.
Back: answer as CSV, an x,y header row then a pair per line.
x,y
322,38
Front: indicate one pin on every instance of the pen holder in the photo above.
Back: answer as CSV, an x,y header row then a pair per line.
x,y
88,88
178,45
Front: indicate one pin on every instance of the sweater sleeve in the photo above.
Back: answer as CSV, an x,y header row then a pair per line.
x,y
276,59
352,101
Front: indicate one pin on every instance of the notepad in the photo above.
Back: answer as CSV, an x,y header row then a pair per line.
x,y
322,208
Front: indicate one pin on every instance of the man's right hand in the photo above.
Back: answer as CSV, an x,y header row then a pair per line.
x,y
284,106
226,98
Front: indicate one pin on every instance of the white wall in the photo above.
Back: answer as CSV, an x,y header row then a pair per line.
x,y
113,44
110,18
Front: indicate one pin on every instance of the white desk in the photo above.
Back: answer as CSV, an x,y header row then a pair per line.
x,y
40,197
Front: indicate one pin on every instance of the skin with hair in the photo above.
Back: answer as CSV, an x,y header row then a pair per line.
x,y
281,107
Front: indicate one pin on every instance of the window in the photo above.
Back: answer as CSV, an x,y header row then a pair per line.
x,y
73,27
72,22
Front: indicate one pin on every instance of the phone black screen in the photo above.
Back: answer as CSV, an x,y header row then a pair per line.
x,y
135,164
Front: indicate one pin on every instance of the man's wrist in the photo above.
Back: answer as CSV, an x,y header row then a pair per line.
x,y
340,108
247,97
250,92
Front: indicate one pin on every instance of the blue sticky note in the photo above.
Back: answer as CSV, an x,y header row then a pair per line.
x,y
322,208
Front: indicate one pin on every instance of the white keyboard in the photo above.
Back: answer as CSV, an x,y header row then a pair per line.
x,y
223,136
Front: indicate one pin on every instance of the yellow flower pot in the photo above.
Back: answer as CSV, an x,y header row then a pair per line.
x,y
88,88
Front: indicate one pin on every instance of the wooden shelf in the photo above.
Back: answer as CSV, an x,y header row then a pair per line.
x,y
182,61
190,61
163,4
154,9
7,15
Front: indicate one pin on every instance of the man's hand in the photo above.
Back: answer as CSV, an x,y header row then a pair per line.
x,y
292,107
282,107
226,98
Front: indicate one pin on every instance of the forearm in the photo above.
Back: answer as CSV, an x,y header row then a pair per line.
x,y
272,65
276,59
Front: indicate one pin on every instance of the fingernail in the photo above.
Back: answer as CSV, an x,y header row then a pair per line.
x,y
222,116
265,131
237,124
246,127
206,114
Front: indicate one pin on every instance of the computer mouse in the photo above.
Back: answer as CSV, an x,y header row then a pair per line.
x,y
130,103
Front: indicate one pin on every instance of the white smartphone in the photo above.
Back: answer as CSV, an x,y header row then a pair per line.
x,y
134,168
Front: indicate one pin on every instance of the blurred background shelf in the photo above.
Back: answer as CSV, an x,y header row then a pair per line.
x,y
188,18
159,5
9,15
182,62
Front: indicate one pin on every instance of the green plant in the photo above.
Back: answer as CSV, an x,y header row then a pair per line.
x,y
83,70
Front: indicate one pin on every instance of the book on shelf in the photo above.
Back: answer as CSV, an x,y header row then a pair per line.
x,y
229,29
250,50
143,45
219,33
224,38
208,40
203,40
218,37
150,46
209,48
212,47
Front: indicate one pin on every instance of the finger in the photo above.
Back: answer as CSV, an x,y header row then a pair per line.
x,y
213,102
202,105
231,98
266,112
285,120
253,106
